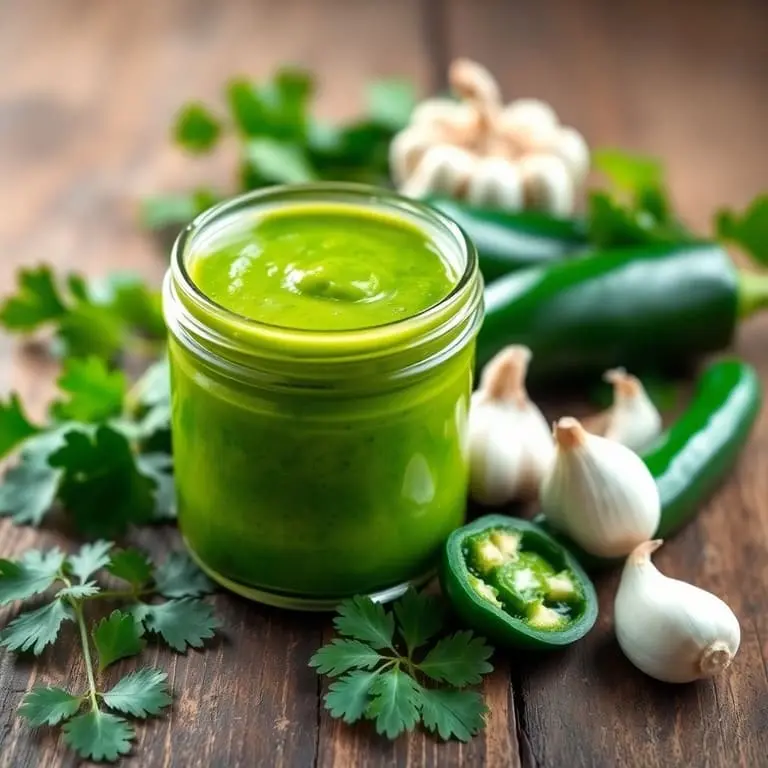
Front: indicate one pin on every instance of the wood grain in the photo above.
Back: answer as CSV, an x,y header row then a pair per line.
x,y
87,91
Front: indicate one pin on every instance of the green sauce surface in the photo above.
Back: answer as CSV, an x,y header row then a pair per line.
x,y
324,267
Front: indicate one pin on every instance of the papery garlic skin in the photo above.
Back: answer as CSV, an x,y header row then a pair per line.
x,y
671,630
599,493
633,420
510,445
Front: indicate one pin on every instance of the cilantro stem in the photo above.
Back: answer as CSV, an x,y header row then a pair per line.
x,y
78,608
121,594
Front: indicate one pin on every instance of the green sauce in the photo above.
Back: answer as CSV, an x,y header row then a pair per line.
x,y
320,493
325,268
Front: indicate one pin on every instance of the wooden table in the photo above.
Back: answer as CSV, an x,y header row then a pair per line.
x,y
87,92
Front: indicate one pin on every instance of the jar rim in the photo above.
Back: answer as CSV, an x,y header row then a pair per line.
x,y
317,342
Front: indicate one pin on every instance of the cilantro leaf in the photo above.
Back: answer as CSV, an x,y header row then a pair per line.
x,y
89,329
395,703
47,705
37,302
749,230
349,696
277,162
158,468
196,129
116,637
29,488
30,575
339,656
178,576
98,735
628,172
130,298
390,102
34,630
132,566
95,392
420,617
460,659
161,211
362,619
80,591
140,694
15,427
102,487
181,623
90,559
452,714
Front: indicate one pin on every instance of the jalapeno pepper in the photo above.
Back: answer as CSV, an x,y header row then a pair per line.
x,y
510,580
691,458
507,242
647,308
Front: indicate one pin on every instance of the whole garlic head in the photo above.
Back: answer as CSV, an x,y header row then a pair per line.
x,y
523,157
510,445
671,630
599,492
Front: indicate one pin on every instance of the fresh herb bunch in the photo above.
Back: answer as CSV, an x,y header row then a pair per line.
x,y
280,142
386,675
69,582
103,456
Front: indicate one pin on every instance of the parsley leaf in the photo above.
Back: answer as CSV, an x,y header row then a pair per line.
x,y
89,559
394,704
30,575
95,392
80,591
628,172
36,303
141,693
452,714
339,656
15,427
34,630
102,487
116,637
365,620
196,128
132,566
420,617
748,230
348,697
98,735
178,576
460,659
47,705
181,623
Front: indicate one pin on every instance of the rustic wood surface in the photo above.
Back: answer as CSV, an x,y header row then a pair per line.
x,y
87,91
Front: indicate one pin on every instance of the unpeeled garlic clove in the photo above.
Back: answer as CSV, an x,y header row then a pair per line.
x,y
571,147
547,185
633,420
599,492
510,445
442,169
669,629
407,149
496,182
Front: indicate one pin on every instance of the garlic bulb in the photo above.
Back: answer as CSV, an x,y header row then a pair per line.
x,y
599,492
521,156
510,445
669,629
633,420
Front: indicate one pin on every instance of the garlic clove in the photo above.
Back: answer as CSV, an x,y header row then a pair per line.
x,y
442,169
669,629
633,420
449,120
547,185
599,492
474,83
510,445
407,149
571,147
497,183
528,124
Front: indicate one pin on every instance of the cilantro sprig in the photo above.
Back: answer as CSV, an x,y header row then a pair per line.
x,y
279,140
389,668
89,723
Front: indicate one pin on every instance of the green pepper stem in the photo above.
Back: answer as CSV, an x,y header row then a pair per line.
x,y
753,293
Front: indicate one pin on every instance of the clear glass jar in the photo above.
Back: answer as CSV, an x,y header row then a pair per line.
x,y
315,465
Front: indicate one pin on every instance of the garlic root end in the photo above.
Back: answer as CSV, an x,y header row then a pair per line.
x,y
714,658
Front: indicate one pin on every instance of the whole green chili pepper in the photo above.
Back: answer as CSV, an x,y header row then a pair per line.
x,y
507,242
646,308
691,458
514,583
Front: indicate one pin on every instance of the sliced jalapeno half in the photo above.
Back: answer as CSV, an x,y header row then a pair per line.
x,y
513,582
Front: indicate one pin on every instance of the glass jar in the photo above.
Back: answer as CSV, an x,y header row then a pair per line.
x,y
315,465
